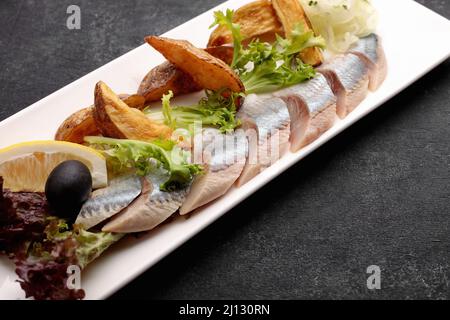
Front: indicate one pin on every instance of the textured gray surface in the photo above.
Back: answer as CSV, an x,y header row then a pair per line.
x,y
376,194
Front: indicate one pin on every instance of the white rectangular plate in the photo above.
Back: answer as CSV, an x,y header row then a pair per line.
x,y
415,41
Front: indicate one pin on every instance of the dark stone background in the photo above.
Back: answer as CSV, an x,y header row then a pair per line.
x,y
376,194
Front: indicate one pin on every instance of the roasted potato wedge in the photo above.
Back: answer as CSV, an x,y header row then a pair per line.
x,y
167,77
224,53
258,20
206,70
77,126
117,120
290,13
81,123
163,78
136,101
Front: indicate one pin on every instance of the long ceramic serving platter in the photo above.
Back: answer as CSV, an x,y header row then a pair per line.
x,y
415,41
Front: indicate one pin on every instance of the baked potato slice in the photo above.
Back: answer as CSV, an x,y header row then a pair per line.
x,y
258,20
206,70
136,101
77,126
117,120
163,78
291,13
81,123
167,77
224,53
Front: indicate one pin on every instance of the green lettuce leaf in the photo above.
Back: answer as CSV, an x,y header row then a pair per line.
x,y
89,245
125,154
42,265
216,109
266,67
226,19
93,244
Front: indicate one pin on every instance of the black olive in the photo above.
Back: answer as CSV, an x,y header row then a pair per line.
x,y
68,186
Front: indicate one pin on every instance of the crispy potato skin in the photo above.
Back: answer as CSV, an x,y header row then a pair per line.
x,y
136,101
265,19
206,70
258,20
224,53
81,123
77,126
167,77
290,13
116,120
163,78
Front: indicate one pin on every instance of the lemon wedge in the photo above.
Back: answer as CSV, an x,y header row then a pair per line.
x,y
26,166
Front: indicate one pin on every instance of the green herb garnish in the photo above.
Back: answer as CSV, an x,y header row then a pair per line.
x,y
266,67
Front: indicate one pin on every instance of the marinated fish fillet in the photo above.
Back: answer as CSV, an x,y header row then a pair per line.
x,y
370,50
348,77
312,110
150,209
267,118
224,158
109,201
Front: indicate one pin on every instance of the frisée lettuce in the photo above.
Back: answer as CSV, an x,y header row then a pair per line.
x,y
266,67
44,247
44,267
123,154
216,109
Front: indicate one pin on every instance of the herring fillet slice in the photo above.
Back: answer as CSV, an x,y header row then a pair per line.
x,y
312,110
224,156
150,209
370,50
267,124
348,77
106,202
